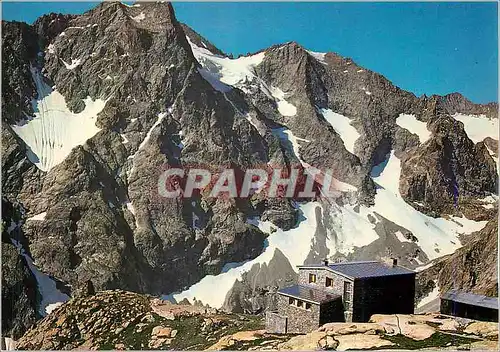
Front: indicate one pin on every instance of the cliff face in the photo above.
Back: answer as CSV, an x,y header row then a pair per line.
x,y
98,105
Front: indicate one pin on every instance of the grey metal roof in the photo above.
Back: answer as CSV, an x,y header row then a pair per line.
x,y
366,269
471,298
310,294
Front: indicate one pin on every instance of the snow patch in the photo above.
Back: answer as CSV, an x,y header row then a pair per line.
x,y
124,138
130,207
10,343
13,225
294,144
401,237
412,125
490,201
134,5
318,56
139,17
478,127
74,63
286,135
342,125
55,130
195,221
161,116
214,81
53,306
423,267
38,217
352,228
284,107
436,236
232,72
366,91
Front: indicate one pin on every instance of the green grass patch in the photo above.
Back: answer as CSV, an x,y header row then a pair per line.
x,y
438,339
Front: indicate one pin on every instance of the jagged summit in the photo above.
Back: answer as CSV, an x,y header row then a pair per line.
x,y
201,41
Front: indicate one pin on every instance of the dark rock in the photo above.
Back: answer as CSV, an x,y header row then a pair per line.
x,y
255,292
446,169
19,50
472,268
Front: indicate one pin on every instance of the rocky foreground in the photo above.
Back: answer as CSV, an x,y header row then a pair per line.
x,y
125,320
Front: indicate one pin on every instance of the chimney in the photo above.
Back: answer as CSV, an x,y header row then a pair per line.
x,y
390,261
325,261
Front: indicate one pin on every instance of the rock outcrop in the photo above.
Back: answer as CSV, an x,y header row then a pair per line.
x,y
447,169
472,268
255,292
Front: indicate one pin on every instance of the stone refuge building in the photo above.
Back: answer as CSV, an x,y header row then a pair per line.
x,y
469,305
342,292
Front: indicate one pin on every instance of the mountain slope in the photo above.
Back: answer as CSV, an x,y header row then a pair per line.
x,y
472,268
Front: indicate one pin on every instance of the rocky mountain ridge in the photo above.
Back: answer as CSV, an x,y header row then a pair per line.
x,y
151,93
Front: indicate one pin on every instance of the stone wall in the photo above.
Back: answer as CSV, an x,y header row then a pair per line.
x,y
276,323
300,320
337,288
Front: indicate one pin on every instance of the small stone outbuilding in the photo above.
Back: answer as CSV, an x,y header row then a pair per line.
x,y
469,305
342,292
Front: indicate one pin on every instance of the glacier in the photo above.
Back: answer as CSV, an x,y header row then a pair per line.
x,y
54,130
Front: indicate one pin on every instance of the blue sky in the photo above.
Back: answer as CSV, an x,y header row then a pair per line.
x,y
426,48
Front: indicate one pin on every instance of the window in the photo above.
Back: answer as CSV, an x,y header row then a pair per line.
x,y
329,282
312,278
347,294
308,306
300,304
291,300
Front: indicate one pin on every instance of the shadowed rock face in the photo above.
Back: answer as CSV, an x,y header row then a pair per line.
x,y
19,48
19,286
105,222
448,168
